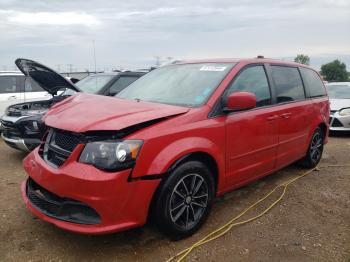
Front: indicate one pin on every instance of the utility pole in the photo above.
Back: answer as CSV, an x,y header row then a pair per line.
x,y
58,68
70,66
157,60
93,45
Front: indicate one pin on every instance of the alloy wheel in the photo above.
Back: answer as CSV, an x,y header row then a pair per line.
x,y
188,201
316,147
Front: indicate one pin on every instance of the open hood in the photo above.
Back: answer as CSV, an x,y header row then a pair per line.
x,y
47,78
85,112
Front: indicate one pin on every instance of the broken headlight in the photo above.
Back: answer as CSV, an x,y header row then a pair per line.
x,y
111,156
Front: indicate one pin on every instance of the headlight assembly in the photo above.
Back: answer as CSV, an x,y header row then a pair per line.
x,y
345,112
111,156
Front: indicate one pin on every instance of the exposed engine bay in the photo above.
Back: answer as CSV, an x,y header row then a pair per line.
x,y
33,108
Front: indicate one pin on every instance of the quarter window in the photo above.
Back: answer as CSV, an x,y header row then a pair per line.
x,y
288,84
312,82
253,79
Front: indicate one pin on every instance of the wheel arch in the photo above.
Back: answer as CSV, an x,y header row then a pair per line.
x,y
324,129
321,123
199,148
200,156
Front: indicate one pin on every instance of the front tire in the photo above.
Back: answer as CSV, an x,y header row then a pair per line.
x,y
315,150
184,200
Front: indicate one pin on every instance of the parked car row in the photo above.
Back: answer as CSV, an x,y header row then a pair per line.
x,y
22,125
166,145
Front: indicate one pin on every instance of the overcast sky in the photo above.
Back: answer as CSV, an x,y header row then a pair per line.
x,y
132,33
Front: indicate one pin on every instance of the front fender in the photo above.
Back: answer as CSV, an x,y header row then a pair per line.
x,y
178,149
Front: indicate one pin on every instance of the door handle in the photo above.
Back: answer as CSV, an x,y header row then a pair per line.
x,y
286,115
12,98
274,117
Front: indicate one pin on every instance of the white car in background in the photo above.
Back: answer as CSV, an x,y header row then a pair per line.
x,y
339,97
15,88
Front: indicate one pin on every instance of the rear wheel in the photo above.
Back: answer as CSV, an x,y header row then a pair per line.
x,y
184,200
315,150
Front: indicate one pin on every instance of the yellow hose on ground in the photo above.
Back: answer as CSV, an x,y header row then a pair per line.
x,y
231,223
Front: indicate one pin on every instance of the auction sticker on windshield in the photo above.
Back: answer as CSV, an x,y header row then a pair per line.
x,y
213,68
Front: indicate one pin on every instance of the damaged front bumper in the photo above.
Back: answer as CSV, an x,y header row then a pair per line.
x,y
108,202
15,143
19,133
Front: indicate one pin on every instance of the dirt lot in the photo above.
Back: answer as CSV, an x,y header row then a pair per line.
x,y
311,224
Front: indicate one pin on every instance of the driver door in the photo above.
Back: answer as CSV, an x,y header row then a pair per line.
x,y
251,135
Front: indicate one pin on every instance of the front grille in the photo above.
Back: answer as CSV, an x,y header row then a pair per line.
x,y
10,130
59,146
61,208
336,123
66,141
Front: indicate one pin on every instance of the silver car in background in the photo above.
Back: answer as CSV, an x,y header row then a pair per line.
x,y
15,88
339,97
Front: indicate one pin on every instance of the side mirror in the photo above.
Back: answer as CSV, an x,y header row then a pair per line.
x,y
239,101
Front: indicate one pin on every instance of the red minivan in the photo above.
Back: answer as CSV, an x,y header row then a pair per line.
x,y
171,142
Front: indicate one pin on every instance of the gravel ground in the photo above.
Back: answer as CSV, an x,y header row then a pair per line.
x,y
312,223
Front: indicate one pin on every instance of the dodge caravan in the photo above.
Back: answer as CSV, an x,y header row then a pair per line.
x,y
171,142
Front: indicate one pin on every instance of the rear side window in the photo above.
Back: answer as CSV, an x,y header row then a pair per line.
x,y
31,86
253,79
11,84
121,83
313,83
288,84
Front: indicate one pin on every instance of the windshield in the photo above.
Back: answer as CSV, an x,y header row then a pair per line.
x,y
185,85
338,91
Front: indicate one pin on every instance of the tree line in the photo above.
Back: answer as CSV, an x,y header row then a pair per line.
x,y
334,71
